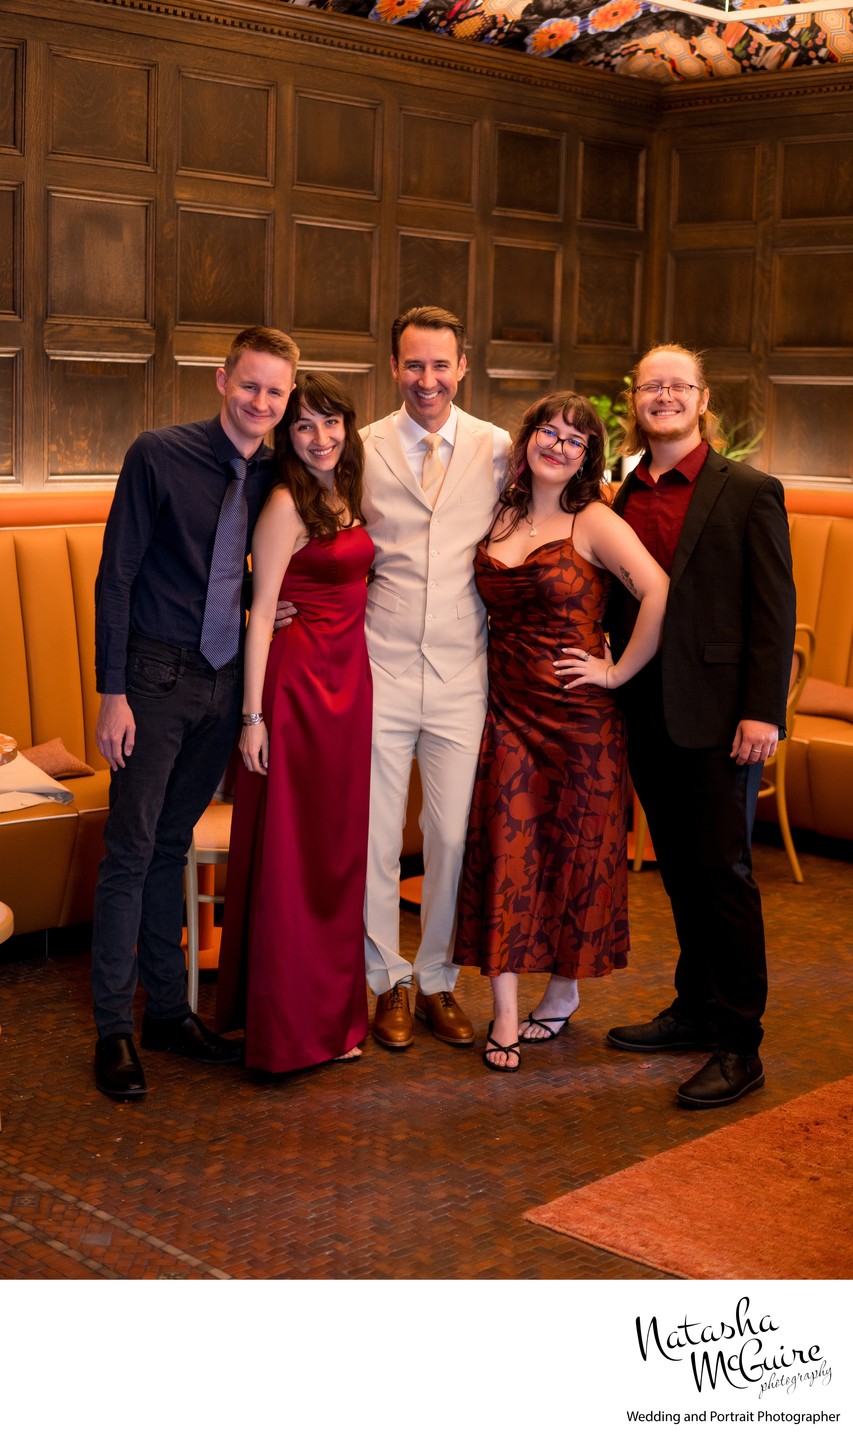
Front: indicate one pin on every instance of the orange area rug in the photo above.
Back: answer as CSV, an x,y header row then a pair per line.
x,y
767,1197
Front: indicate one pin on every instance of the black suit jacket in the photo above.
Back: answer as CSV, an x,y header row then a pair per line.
x,y
729,627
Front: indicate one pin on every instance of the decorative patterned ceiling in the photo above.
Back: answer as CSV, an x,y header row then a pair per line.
x,y
631,37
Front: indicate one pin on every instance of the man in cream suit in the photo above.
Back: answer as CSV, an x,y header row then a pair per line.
x,y
433,476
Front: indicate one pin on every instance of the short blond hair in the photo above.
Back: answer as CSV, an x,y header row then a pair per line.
x,y
262,340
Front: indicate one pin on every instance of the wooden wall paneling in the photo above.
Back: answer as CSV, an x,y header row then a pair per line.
x,y
607,296
99,257
436,269
227,127
358,380
529,169
437,158
810,427
101,108
714,184
437,144
9,395
710,296
815,178
512,392
96,408
224,266
338,143
611,186
11,96
813,298
196,395
11,253
525,291
334,276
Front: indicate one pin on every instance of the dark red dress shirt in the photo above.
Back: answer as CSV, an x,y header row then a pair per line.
x,y
656,511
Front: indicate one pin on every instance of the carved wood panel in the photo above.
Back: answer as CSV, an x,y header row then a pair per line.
x,y
10,96
813,299
607,294
195,392
100,109
10,249
435,270
811,427
511,394
227,127
529,170
98,258
436,158
8,368
714,184
333,277
816,178
611,185
337,144
223,267
96,409
525,293
731,401
357,380
709,300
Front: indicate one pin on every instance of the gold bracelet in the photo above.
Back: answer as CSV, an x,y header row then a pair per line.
x,y
249,720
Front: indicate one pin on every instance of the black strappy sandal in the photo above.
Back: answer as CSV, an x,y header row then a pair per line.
x,y
546,1023
499,1048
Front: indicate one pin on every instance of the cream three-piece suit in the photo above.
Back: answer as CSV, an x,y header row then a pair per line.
x,y
426,636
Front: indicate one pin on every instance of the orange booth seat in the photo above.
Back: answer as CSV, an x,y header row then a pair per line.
x,y
819,777
49,854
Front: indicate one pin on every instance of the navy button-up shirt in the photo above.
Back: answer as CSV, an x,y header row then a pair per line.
x,y
159,539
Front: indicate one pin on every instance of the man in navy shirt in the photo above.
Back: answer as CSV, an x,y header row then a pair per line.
x,y
168,639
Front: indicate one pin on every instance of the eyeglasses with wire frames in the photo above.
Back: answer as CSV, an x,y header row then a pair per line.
x,y
654,389
549,439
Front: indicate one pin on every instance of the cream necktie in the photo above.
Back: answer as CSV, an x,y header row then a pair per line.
x,y
432,475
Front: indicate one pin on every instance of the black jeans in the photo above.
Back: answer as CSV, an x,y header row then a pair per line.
x,y
701,808
187,717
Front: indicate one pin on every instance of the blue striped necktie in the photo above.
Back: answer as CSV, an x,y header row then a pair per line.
x,y
220,629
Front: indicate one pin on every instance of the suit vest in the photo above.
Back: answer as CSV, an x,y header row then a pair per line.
x,y
423,599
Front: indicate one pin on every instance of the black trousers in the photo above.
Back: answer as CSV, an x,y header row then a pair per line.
x,y
187,717
700,808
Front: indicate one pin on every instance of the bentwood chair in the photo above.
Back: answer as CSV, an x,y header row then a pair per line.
x,y
210,843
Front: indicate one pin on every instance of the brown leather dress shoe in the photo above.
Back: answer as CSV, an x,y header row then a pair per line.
x,y
447,1020
392,1019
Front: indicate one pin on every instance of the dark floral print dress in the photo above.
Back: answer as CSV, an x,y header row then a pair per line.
x,y
544,885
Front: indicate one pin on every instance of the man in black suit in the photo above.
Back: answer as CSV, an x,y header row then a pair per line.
x,y
705,713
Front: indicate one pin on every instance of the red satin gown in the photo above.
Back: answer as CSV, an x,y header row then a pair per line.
x,y
292,957
544,883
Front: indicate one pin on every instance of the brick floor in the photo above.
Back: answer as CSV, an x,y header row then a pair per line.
x,y
418,1164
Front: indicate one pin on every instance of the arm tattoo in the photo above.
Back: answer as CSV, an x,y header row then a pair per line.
x,y
629,582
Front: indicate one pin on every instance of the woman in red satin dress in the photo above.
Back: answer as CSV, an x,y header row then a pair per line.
x,y
544,885
292,953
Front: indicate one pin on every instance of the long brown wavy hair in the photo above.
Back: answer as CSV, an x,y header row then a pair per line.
x,y
584,487
324,395
634,440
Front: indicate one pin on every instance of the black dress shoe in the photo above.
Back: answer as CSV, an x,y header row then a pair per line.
x,y
118,1071
723,1079
665,1031
190,1038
